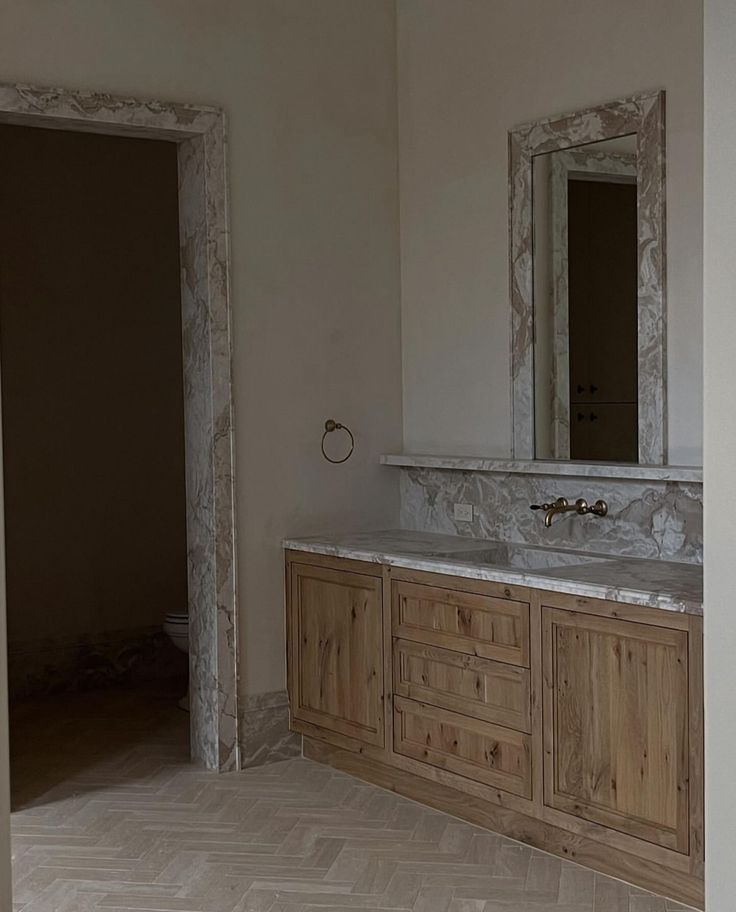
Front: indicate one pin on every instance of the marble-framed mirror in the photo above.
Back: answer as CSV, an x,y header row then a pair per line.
x,y
588,284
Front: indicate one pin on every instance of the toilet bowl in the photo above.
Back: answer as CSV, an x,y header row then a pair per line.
x,y
176,627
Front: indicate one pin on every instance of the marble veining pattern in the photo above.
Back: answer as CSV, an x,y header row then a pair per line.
x,y
547,467
649,519
208,424
265,730
656,584
642,115
200,133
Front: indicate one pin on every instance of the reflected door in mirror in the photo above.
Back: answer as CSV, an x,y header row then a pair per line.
x,y
602,315
586,284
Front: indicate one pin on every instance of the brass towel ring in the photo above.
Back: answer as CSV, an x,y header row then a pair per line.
x,y
331,426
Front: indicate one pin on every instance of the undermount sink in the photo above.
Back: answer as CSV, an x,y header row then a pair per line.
x,y
518,557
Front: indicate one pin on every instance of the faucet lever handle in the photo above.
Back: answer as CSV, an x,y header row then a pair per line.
x,y
540,506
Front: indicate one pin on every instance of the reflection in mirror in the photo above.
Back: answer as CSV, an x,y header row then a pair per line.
x,y
587,269
586,302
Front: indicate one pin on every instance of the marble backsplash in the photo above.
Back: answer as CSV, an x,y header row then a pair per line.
x,y
646,518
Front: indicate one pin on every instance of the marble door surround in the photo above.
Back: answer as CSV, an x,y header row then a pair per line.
x,y
199,133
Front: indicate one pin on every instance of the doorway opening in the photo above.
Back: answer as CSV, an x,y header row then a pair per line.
x,y
200,578
603,319
93,440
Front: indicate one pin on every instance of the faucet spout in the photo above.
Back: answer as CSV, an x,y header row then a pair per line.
x,y
559,506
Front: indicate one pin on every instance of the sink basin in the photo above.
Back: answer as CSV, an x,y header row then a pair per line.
x,y
518,557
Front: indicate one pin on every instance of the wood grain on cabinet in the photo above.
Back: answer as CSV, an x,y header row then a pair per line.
x,y
696,706
486,753
616,724
336,651
487,690
482,625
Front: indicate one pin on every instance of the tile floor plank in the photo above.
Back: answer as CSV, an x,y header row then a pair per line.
x,y
110,815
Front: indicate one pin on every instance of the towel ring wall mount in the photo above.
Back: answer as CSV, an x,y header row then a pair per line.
x,y
330,426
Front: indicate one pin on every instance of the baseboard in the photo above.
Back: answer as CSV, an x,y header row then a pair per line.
x,y
684,888
264,730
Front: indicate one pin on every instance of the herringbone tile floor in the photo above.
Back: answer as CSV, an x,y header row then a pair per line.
x,y
111,816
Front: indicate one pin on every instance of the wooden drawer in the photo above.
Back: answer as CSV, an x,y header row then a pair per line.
x,y
485,753
487,690
482,625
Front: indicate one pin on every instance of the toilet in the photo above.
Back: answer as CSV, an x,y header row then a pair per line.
x,y
176,627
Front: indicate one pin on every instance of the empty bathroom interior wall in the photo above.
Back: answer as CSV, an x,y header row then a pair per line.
x,y
468,72
720,446
92,403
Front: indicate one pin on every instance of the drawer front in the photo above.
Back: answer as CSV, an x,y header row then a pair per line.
x,y
486,753
493,628
465,684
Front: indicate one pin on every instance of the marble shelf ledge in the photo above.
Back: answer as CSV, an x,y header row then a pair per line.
x,y
692,474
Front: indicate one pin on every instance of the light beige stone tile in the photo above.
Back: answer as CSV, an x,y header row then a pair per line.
x,y
134,827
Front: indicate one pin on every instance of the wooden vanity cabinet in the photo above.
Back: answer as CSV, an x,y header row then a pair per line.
x,y
571,724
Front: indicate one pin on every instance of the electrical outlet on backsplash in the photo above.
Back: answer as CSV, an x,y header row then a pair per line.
x,y
646,517
463,512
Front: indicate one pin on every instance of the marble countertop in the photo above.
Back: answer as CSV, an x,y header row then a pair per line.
x,y
693,474
667,585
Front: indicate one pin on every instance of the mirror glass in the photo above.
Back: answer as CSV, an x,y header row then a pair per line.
x,y
585,289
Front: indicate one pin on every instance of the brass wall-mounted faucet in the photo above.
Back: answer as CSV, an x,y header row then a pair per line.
x,y
561,505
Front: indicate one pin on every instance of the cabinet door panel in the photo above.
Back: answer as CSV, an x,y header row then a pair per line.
x,y
336,650
481,625
475,750
605,431
616,724
466,684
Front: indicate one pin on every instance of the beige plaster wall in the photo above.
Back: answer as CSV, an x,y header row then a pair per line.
x,y
468,71
720,446
310,94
